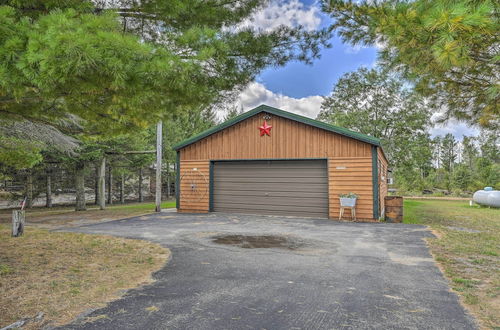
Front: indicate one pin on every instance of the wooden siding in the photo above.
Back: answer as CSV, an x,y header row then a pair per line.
x,y
349,160
356,177
382,179
289,139
351,174
194,199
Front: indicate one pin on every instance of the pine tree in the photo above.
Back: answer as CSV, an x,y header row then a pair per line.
x,y
122,64
448,153
449,48
374,102
118,66
437,146
469,151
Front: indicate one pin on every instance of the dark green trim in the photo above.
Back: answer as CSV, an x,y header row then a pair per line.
x,y
211,187
285,114
177,181
375,182
328,184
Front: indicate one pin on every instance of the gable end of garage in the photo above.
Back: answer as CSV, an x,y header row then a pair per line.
x,y
285,114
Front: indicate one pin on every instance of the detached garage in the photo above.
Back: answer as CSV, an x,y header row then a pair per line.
x,y
269,161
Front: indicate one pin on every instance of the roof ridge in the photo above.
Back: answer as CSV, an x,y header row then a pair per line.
x,y
286,114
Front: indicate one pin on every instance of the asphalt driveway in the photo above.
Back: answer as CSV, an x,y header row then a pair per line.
x,y
324,275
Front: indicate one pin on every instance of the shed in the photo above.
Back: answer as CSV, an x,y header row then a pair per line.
x,y
270,161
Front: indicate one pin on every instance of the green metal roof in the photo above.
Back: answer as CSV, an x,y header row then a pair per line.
x,y
281,113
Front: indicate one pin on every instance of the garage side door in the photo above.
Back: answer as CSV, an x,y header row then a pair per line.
x,y
298,187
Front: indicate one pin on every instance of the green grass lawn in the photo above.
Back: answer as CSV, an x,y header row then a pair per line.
x,y
62,215
467,248
142,206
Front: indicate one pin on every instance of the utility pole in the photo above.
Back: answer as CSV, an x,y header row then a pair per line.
x,y
102,184
141,199
159,138
48,196
110,185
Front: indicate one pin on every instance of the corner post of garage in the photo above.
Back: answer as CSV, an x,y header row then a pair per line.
x,y
375,181
177,180
211,187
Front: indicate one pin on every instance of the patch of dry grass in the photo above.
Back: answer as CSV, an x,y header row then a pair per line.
x,y
65,274
467,248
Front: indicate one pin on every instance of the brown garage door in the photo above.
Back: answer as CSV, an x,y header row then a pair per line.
x,y
298,187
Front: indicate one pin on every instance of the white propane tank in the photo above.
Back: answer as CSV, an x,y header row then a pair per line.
x,y
487,197
494,198
480,197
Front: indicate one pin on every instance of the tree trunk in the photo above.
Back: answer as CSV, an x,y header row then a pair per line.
x,y
141,197
122,189
80,186
29,190
110,185
48,197
96,187
102,184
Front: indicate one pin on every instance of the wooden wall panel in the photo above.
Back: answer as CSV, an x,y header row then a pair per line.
x,y
289,139
194,199
382,179
351,174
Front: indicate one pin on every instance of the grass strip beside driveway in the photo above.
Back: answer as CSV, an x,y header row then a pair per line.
x,y
67,216
65,274
468,250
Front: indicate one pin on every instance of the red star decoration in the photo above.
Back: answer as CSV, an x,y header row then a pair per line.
x,y
265,129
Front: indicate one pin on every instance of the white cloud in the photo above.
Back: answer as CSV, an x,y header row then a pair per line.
x,y
256,94
288,13
353,49
458,129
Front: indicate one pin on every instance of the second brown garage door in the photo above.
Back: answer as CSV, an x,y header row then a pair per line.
x,y
298,187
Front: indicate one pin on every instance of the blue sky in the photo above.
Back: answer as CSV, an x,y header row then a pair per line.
x,y
300,80
300,88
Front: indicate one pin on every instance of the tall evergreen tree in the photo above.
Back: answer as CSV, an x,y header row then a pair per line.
x,y
448,152
120,65
448,47
469,151
438,147
374,102
489,145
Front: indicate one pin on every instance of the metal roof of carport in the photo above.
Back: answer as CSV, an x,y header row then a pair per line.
x,y
285,114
